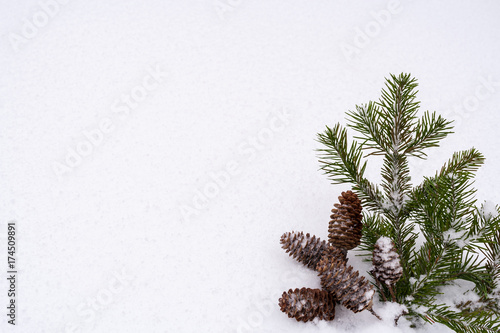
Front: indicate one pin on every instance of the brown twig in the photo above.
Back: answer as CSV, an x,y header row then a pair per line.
x,y
392,293
401,315
375,314
381,290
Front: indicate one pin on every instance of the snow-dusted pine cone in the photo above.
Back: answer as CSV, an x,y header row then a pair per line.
x,y
386,264
306,304
307,249
345,225
347,287
335,252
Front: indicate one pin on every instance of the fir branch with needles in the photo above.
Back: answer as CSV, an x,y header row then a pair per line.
x,y
460,240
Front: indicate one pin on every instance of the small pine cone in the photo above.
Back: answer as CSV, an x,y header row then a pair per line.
x,y
345,225
386,264
306,249
347,287
306,304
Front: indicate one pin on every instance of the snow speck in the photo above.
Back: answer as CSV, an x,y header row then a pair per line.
x,y
452,235
384,243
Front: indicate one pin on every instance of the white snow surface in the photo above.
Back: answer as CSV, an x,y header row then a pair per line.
x,y
489,209
454,236
153,152
457,293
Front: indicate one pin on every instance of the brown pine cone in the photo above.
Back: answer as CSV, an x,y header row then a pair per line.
x,y
347,287
386,264
307,249
306,304
345,225
335,252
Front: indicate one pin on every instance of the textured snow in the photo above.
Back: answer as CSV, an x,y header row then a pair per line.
x,y
489,209
456,293
455,237
171,220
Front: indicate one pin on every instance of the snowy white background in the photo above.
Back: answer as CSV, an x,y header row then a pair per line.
x,y
120,240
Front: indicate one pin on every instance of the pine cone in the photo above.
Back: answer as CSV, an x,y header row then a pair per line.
x,y
345,227
306,304
307,249
352,291
336,253
386,265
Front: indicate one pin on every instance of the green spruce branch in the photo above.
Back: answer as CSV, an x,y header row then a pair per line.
x,y
461,241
